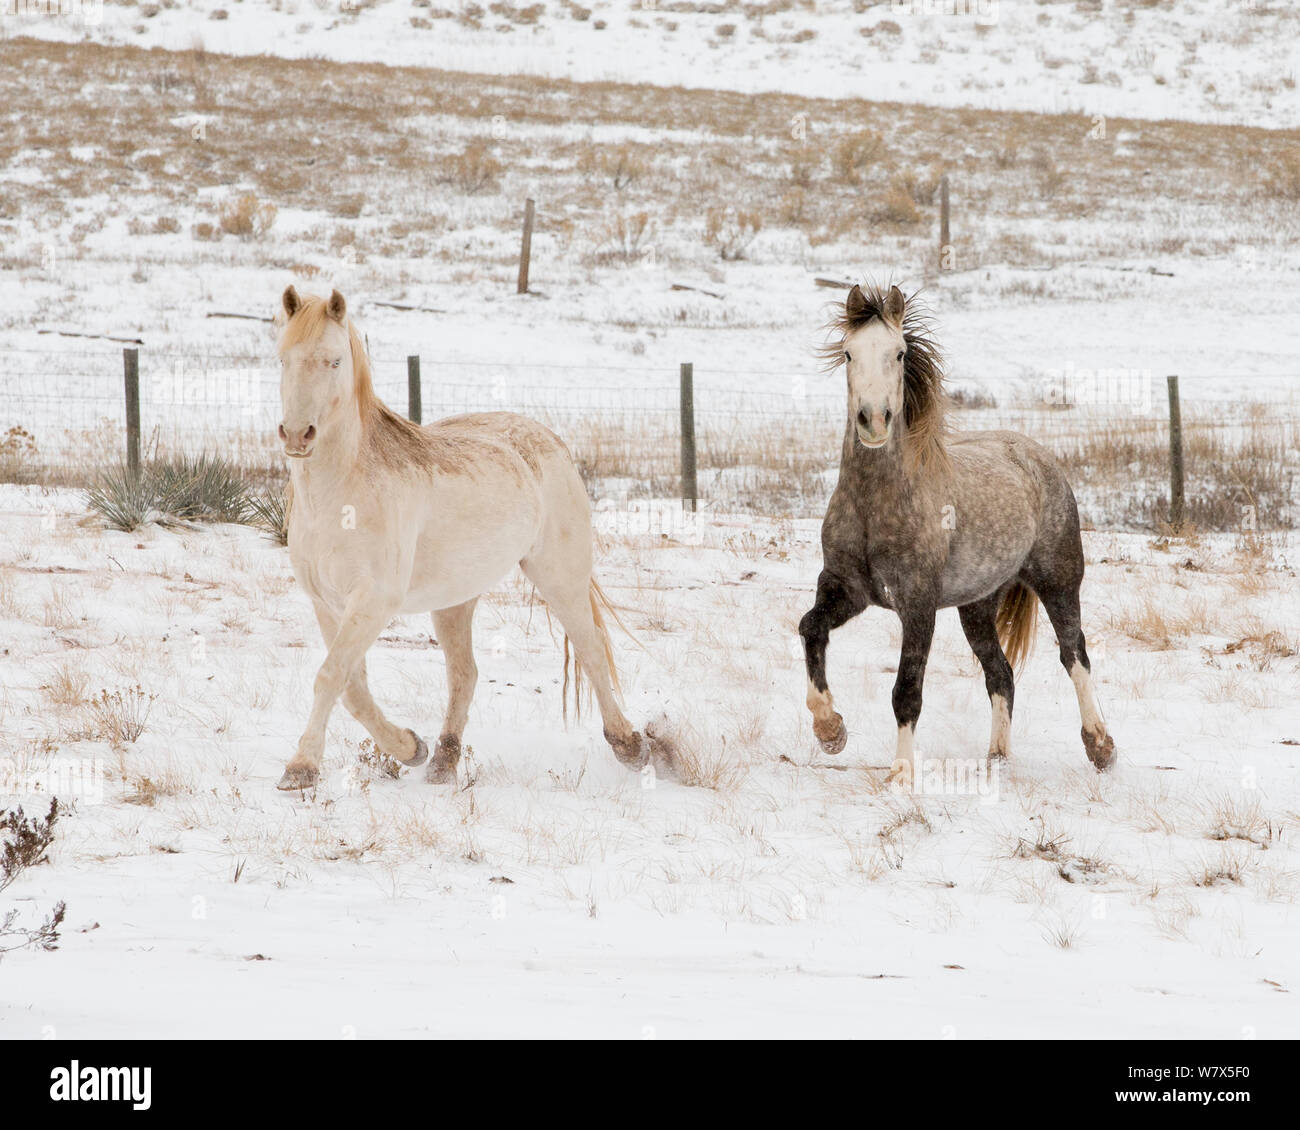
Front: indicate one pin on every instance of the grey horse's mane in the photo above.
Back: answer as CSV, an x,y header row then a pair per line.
x,y
924,401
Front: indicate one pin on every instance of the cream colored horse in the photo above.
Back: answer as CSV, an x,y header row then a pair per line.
x,y
388,517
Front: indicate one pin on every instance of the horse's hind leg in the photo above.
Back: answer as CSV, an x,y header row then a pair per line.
x,y
569,595
454,629
979,622
1062,606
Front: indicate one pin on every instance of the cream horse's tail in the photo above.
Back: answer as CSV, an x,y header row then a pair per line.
x,y
599,602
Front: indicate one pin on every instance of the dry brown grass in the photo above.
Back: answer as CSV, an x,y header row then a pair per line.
x,y
67,684
726,157
111,98
1166,620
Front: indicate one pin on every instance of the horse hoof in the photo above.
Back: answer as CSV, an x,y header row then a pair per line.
x,y
421,754
1100,748
631,751
832,734
298,777
442,769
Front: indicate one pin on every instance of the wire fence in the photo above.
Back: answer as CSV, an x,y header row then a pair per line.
x,y
767,440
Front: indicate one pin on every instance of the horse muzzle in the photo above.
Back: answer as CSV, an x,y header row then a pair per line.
x,y
873,427
298,444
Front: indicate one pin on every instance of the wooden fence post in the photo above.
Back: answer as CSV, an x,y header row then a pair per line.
x,y
526,248
690,491
413,406
131,376
945,239
1177,504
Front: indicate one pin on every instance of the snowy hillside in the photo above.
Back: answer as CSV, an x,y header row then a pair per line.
x,y
1206,60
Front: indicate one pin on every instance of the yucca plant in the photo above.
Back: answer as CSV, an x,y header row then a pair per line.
x,y
200,488
269,511
125,501
184,488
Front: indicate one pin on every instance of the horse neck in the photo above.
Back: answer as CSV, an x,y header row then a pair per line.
x,y
879,475
336,459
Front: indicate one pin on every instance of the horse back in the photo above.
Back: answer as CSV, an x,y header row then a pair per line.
x,y
532,442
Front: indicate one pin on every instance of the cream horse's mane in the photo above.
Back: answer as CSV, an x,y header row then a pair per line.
x,y
387,438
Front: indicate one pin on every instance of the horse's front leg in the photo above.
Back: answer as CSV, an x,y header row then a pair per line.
x,y
918,632
836,604
362,620
400,744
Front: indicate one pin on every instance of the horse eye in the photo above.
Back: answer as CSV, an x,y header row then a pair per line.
x,y
900,354
335,365
846,356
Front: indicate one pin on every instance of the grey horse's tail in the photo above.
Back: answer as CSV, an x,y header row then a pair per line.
x,y
1017,621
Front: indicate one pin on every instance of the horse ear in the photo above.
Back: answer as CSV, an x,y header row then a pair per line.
x,y
337,308
894,302
856,305
291,301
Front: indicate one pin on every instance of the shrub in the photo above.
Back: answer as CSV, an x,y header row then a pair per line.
x,y
24,842
897,206
119,717
473,169
202,488
186,488
625,239
18,456
851,156
269,511
247,217
619,166
730,231
921,187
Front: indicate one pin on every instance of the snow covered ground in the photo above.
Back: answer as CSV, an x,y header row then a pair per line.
x,y
773,891
769,890
1205,60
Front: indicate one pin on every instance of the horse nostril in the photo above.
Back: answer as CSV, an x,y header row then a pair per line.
x,y
888,416
864,420
310,434
283,434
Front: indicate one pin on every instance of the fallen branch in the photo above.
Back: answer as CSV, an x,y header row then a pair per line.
x,y
1139,270
400,306
245,317
696,289
839,284
101,337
